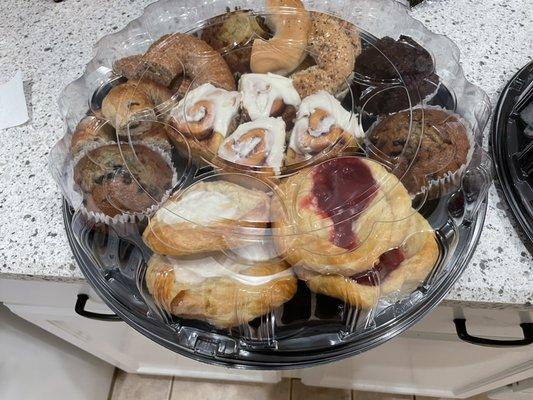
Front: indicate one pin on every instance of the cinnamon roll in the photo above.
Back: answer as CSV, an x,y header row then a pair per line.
x,y
269,95
206,115
321,123
259,143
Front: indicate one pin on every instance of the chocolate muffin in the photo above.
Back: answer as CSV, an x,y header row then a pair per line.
x,y
388,99
393,75
434,145
122,179
390,59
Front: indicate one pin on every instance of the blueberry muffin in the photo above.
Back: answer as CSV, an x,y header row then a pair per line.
x,y
122,179
436,144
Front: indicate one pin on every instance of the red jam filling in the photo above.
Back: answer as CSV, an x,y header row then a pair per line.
x,y
342,189
388,262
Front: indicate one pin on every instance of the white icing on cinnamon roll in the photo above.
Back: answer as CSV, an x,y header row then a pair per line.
x,y
321,121
206,110
256,144
266,95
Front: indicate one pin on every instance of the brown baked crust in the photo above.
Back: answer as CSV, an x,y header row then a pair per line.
x,y
421,253
134,98
436,144
302,233
223,302
129,67
91,130
120,180
332,48
181,237
178,55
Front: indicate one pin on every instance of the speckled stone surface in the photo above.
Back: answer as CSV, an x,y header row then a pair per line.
x,y
51,42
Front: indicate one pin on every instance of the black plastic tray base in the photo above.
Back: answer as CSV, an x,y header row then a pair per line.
x,y
512,150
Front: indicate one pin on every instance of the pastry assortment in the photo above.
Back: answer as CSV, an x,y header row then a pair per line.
x,y
294,188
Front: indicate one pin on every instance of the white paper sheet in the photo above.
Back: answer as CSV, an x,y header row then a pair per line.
x,y
13,110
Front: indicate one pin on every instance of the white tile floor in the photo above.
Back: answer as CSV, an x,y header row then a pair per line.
x,y
141,387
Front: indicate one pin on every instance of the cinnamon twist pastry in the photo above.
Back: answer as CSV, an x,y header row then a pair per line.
x,y
178,56
286,49
332,47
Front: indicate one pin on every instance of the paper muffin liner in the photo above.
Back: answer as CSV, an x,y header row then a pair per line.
x,y
450,179
127,217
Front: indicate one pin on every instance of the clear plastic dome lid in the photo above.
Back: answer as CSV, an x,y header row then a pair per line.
x,y
279,179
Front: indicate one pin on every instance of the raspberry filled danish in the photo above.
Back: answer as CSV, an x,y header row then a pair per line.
x,y
352,232
259,143
269,95
206,115
321,123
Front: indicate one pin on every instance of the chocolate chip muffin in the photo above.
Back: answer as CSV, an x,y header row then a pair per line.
x,y
122,179
435,145
393,75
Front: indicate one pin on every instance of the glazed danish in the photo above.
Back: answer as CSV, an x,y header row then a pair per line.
x,y
222,294
208,216
344,215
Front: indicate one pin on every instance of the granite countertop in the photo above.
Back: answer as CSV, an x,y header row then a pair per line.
x,y
51,42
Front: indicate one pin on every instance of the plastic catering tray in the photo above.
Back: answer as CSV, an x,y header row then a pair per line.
x,y
302,213
512,146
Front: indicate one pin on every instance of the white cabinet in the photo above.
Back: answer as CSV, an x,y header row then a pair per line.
x,y
50,305
428,360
